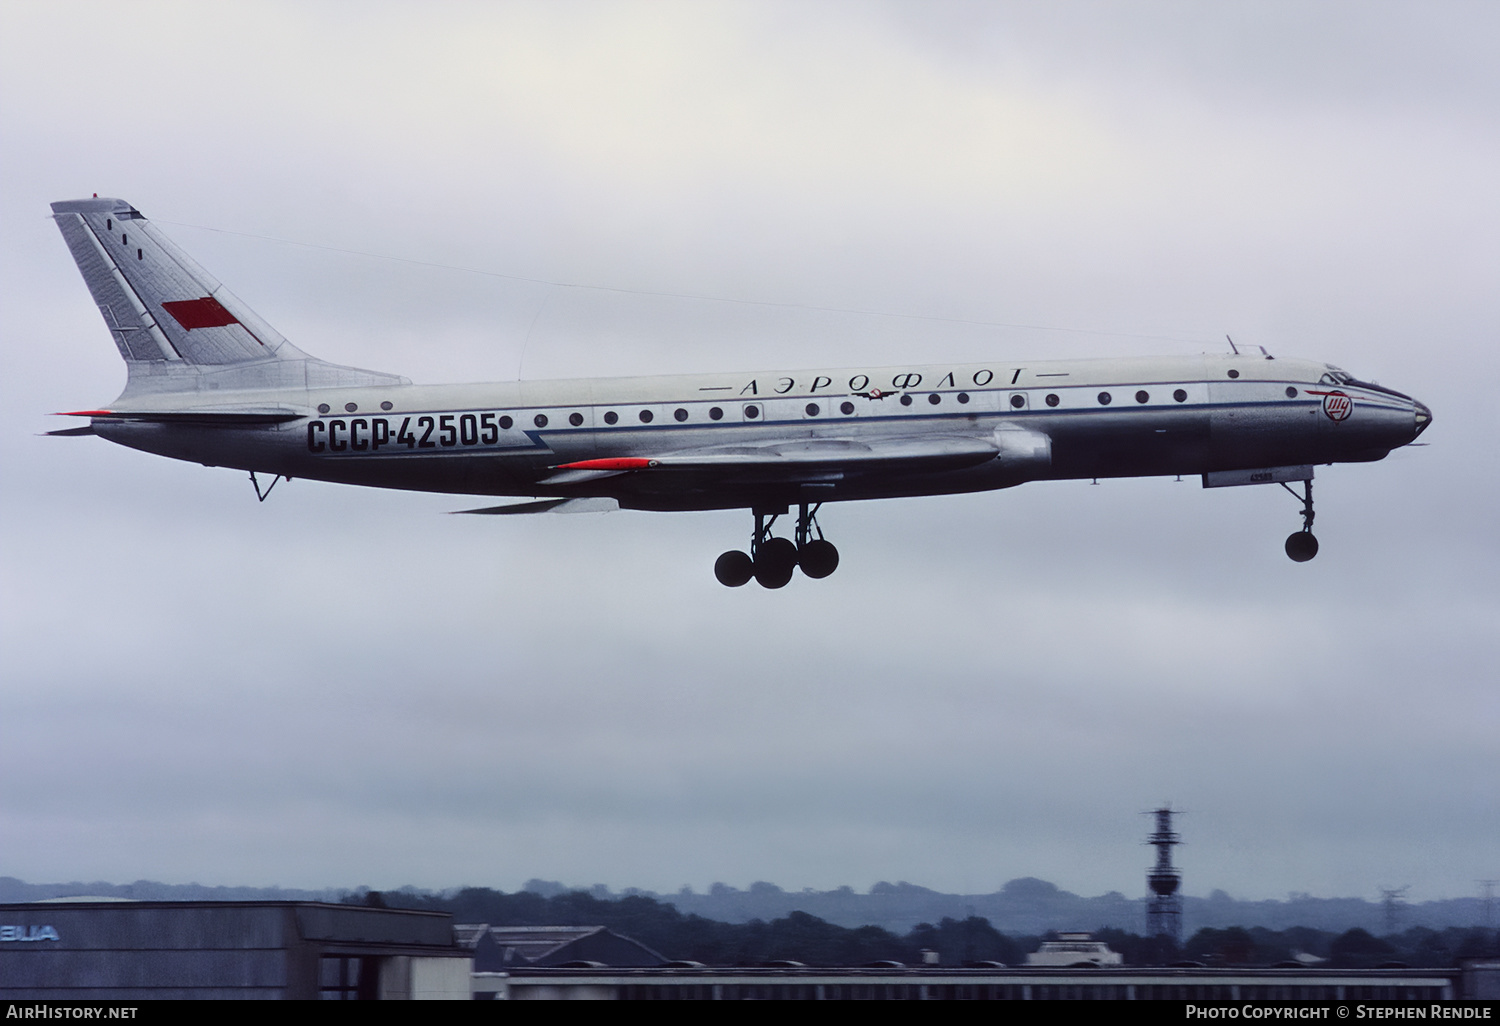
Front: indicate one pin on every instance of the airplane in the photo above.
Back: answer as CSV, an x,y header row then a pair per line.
x,y
211,382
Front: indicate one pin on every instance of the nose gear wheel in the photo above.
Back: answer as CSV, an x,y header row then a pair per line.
x,y
1302,545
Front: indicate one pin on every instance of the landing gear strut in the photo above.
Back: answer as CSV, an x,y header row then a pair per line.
x,y
771,560
817,556
1302,545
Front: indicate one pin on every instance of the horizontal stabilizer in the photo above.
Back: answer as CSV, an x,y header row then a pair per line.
x,y
87,429
205,418
584,505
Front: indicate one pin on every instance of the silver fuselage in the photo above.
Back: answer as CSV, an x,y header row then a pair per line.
x,y
1042,421
210,381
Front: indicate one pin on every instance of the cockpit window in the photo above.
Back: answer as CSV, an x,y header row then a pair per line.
x,y
1338,377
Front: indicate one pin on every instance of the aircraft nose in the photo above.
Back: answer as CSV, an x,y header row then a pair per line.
x,y
1424,417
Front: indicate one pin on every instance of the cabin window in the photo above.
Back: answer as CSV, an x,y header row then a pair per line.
x,y
680,414
715,413
647,416
846,408
963,397
1143,396
540,420
387,405
1180,395
1234,373
611,417
576,419
934,398
506,423
752,411
1053,399
906,400
1019,401
1291,393
1105,398
350,407
813,409
323,407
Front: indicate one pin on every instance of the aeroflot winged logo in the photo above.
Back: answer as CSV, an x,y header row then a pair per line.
x,y
1336,405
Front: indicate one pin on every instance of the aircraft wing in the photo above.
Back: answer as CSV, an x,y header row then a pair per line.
x,y
793,459
790,461
586,505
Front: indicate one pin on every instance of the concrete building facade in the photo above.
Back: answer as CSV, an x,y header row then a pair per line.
x,y
129,950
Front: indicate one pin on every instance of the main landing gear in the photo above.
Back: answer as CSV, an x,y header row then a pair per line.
x,y
772,560
1301,545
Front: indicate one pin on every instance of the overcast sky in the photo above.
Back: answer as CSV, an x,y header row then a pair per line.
x,y
344,686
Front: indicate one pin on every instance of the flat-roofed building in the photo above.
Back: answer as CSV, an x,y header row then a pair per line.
x,y
143,950
925,983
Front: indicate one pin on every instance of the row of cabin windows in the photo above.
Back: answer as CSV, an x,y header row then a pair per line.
x,y
1018,401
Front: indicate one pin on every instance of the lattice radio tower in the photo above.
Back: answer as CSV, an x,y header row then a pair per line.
x,y
1391,901
1164,907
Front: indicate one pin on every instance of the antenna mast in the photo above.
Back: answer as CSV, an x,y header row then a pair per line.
x,y
1164,907
1489,902
1391,897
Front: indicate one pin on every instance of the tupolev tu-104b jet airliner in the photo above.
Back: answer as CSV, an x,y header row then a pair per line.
x,y
211,382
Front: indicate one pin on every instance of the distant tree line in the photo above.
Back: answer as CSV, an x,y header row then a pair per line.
x,y
801,937
1418,947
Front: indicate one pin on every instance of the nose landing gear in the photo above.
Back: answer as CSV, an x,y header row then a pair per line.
x,y
772,560
1302,545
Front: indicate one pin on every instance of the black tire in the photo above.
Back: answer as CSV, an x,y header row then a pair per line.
x,y
774,563
818,559
734,569
1301,546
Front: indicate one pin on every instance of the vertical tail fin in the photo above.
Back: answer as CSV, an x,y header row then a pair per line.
x,y
176,326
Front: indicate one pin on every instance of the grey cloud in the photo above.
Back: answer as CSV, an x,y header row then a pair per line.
x,y
343,686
